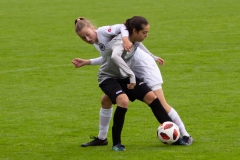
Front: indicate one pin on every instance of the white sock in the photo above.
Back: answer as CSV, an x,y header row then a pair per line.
x,y
177,120
105,117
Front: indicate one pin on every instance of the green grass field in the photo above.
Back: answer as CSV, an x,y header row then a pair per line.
x,y
48,108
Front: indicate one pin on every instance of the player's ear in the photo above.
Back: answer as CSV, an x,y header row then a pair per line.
x,y
134,31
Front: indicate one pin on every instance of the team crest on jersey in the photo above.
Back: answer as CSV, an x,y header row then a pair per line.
x,y
101,46
109,30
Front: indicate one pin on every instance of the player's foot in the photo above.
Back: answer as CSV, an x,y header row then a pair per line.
x,y
188,139
119,147
95,142
181,142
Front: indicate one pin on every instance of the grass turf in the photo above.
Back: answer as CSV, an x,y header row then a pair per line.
x,y
48,108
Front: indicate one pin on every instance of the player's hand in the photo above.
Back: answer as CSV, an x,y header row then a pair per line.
x,y
127,44
131,85
78,62
160,61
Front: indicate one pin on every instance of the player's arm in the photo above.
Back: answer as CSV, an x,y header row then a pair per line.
x,y
117,59
127,44
157,59
78,62
110,31
96,61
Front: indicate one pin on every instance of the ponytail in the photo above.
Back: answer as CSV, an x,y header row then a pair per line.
x,y
81,22
79,19
135,22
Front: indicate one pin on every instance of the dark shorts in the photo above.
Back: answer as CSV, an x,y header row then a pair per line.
x,y
114,87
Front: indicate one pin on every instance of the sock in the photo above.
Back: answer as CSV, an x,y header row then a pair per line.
x,y
177,120
159,111
104,120
118,121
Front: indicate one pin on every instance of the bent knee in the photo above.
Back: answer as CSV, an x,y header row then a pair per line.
x,y
122,100
149,97
106,102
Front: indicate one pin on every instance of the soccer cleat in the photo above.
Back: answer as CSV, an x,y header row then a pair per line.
x,y
95,142
181,142
188,139
119,147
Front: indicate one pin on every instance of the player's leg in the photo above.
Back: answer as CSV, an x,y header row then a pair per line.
x,y
159,112
171,112
118,121
173,115
146,68
145,94
104,120
112,88
105,117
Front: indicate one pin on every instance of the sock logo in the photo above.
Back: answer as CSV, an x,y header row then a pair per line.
x,y
141,83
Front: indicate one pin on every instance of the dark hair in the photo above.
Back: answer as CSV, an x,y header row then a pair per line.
x,y
80,23
136,22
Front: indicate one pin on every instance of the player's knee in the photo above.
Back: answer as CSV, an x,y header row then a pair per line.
x,y
122,100
106,102
149,97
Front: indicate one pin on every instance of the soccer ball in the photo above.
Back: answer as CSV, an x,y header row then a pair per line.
x,y
168,132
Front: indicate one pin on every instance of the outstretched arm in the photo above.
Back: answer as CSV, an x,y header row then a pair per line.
x,y
96,61
78,62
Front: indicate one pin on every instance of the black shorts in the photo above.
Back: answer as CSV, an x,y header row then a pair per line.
x,y
114,87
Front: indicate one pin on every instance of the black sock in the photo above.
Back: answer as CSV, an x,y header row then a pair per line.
x,y
118,121
159,111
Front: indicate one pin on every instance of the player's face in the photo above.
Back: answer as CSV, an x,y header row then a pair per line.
x,y
88,34
142,34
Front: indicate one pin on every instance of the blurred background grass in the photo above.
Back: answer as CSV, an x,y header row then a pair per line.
x,y
48,108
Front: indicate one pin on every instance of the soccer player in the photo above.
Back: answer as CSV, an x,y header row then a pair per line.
x,y
143,66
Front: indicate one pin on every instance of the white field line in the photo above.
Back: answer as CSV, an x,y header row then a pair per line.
x,y
169,54
34,68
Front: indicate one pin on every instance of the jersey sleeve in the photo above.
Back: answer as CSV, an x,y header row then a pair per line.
x,y
113,30
141,46
117,59
124,31
96,61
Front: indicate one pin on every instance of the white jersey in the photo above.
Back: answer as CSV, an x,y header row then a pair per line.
x,y
145,67
106,33
142,63
116,61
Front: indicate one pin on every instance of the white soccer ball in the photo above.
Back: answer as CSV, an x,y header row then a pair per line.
x,y
168,132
